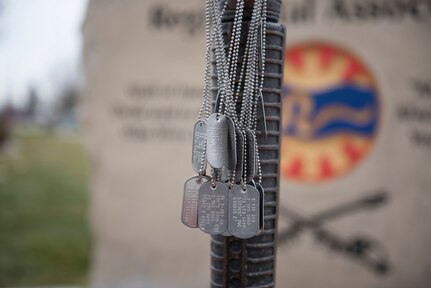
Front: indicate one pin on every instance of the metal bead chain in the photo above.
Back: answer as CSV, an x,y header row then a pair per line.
x,y
263,25
221,64
244,182
247,111
203,159
258,85
220,57
233,174
249,81
223,77
240,87
262,78
245,61
206,104
247,94
232,64
230,105
259,168
236,36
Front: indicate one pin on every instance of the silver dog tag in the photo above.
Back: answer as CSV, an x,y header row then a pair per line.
x,y
262,207
227,171
199,162
244,210
217,140
251,155
232,158
226,233
189,213
212,208
240,156
225,174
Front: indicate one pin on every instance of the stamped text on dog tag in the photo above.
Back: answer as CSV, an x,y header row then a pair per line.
x,y
217,141
212,208
189,213
199,162
244,210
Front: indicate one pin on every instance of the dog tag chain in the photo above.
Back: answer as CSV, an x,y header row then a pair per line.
x,y
229,202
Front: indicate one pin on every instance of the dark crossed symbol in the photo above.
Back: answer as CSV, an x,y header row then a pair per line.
x,y
363,250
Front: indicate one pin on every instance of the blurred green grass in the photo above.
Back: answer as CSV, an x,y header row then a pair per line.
x,y
44,235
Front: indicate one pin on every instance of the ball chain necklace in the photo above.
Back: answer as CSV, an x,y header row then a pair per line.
x,y
229,201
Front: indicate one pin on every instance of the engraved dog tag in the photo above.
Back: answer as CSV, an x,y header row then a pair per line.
x,y
217,102
226,171
217,141
244,210
232,158
189,213
212,208
251,155
262,207
199,162
240,156
225,174
227,232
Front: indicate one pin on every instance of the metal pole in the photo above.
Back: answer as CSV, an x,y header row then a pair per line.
x,y
251,263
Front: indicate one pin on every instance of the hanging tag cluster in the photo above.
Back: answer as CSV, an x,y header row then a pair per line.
x,y
229,201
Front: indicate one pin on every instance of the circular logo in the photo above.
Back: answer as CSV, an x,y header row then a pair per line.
x,y
330,112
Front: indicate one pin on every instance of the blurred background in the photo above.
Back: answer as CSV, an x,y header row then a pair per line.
x,y
97,101
44,235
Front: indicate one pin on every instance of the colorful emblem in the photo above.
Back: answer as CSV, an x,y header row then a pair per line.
x,y
330,113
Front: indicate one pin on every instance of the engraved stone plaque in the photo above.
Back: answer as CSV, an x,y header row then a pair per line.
x,y
244,210
212,208
217,141
199,162
189,213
